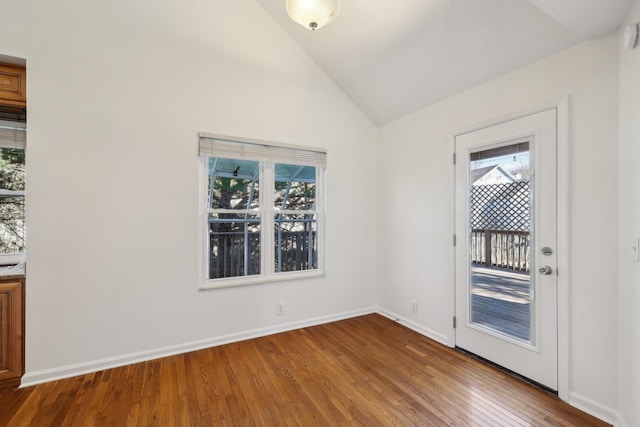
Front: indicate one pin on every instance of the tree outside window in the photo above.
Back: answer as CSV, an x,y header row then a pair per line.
x,y
12,213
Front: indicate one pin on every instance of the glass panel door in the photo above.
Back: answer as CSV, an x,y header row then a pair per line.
x,y
506,259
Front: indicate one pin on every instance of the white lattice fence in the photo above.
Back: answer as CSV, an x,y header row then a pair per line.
x,y
500,222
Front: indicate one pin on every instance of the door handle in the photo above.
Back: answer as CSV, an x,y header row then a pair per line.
x,y
546,270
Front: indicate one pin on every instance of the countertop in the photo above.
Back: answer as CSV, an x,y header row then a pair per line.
x,y
12,272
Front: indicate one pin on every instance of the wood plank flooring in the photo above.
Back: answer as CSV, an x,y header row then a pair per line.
x,y
367,370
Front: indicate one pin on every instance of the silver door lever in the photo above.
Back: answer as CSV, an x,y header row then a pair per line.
x,y
546,270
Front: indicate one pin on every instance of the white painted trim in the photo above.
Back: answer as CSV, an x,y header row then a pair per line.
x,y
203,269
509,117
230,282
563,242
11,259
561,105
46,375
429,333
596,409
452,232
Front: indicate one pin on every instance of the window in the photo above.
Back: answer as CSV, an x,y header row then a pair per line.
x,y
263,210
12,191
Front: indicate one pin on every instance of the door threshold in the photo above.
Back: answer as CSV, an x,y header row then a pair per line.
x,y
536,384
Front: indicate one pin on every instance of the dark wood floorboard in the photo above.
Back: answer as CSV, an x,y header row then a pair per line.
x,y
366,371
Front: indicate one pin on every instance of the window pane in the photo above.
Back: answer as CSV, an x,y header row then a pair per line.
x,y
12,169
296,245
234,245
233,184
11,200
295,187
11,224
500,206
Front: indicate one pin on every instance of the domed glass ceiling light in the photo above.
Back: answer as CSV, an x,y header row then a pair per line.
x,y
313,14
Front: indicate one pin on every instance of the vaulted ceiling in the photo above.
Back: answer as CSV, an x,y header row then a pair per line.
x,y
395,57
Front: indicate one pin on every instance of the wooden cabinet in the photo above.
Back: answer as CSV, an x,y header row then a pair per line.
x,y
11,332
13,85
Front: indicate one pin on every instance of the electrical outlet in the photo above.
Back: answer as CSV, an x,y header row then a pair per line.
x,y
280,308
414,306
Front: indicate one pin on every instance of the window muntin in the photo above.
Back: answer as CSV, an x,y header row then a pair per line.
x,y
263,217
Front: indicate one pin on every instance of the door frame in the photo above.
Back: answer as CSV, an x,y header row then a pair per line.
x,y
561,105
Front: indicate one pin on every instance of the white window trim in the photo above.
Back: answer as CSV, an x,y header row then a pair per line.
x,y
267,214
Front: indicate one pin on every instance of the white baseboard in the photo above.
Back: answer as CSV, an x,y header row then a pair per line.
x,y
596,409
53,374
429,333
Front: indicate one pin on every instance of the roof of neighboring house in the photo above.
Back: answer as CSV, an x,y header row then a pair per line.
x,y
478,174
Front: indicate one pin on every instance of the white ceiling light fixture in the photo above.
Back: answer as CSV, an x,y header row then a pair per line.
x,y
313,14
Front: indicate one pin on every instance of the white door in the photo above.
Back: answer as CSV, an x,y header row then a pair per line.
x,y
506,282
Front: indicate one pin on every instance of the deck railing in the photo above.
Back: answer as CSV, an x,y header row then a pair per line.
x,y
227,252
501,248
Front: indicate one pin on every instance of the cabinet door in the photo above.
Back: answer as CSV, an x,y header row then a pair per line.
x,y
13,86
11,330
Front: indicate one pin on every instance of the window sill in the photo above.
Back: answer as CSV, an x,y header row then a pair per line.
x,y
254,280
12,259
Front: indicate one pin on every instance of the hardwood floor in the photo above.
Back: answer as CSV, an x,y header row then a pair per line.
x,y
363,371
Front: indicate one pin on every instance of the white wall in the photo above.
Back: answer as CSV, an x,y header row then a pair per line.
x,y
117,92
416,189
629,230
